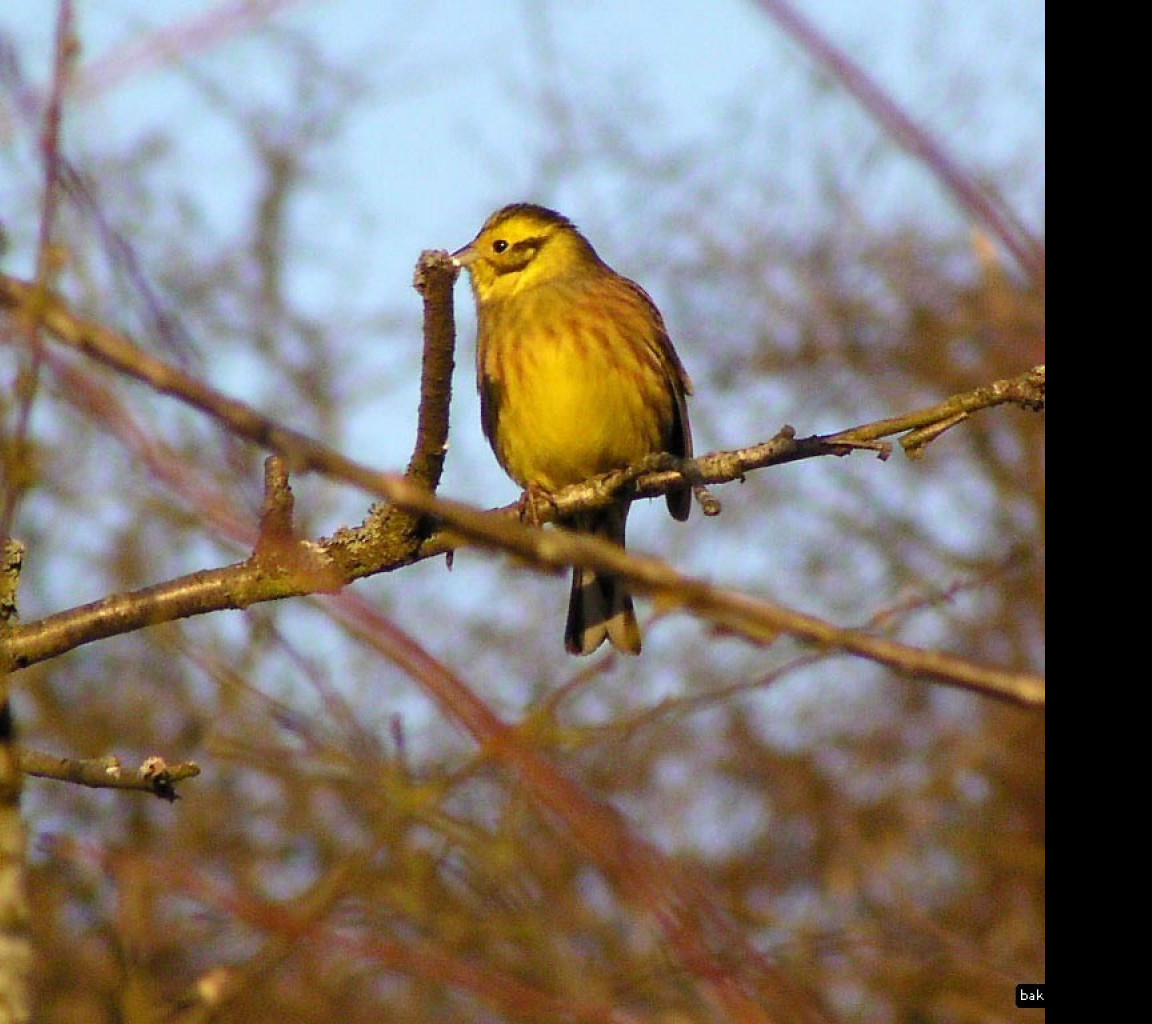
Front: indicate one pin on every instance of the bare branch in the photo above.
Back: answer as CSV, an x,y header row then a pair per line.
x,y
16,952
754,618
435,275
16,956
656,475
47,260
155,775
977,200
352,554
177,42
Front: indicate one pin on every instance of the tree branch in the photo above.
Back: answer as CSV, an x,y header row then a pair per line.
x,y
154,775
434,278
352,554
976,198
758,620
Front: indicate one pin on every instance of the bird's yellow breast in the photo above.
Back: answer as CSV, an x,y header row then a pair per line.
x,y
571,385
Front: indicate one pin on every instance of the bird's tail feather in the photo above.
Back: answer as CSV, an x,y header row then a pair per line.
x,y
600,608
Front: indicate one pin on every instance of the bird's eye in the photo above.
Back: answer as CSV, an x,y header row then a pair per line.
x,y
499,245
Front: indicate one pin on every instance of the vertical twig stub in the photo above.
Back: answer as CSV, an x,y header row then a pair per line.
x,y
434,277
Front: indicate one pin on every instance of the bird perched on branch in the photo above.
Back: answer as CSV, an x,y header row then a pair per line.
x,y
577,377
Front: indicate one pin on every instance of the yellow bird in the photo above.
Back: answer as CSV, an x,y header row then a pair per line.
x,y
577,376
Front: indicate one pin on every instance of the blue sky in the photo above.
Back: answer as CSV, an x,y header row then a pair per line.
x,y
454,77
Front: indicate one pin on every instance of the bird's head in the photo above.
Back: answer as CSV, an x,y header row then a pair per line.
x,y
523,245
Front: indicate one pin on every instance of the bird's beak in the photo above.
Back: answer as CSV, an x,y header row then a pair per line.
x,y
465,257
